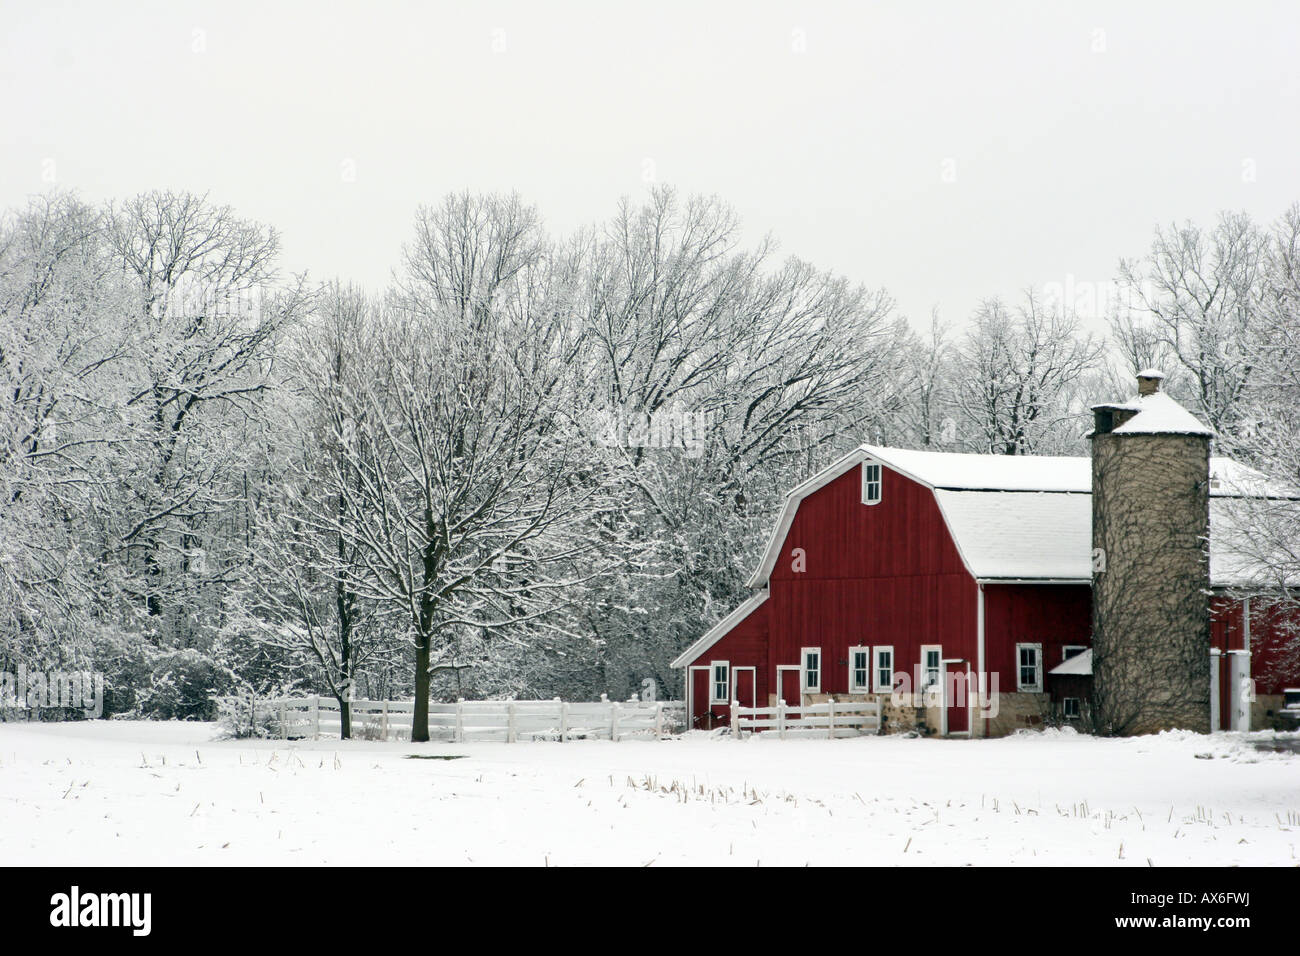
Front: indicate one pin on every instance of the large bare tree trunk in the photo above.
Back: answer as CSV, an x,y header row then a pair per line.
x,y
420,716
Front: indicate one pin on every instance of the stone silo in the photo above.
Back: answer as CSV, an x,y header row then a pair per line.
x,y
1151,578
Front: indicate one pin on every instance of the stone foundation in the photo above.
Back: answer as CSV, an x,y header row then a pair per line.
x,y
1018,712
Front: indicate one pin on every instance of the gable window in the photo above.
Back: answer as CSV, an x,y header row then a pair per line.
x,y
1070,708
884,670
1072,650
720,686
812,669
871,484
1029,668
859,670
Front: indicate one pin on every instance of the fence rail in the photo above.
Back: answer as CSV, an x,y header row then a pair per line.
x,y
831,719
478,720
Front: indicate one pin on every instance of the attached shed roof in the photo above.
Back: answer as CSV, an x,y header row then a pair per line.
x,y
1080,665
720,630
1028,536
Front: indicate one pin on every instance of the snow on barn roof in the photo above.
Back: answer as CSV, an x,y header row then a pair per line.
x,y
1021,535
1031,536
941,469
1080,665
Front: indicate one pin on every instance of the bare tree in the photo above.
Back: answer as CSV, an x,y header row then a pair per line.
x,y
64,431
722,375
1201,292
1016,374
206,324
298,599
464,505
927,403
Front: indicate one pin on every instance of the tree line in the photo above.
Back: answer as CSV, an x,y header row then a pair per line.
x,y
534,465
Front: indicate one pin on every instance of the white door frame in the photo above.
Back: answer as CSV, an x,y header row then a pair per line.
x,y
753,684
798,670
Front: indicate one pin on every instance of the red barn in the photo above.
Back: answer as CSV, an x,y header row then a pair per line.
x,y
896,571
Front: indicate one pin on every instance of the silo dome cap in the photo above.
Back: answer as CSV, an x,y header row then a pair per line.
x,y
1151,373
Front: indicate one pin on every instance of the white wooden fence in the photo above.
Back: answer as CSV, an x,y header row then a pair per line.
x,y
480,720
831,719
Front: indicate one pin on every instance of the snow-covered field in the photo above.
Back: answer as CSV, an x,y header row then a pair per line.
x,y
167,793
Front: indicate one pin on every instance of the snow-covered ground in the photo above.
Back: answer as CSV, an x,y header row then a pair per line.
x,y
166,793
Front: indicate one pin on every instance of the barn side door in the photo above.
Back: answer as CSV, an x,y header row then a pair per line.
x,y
956,696
697,695
744,686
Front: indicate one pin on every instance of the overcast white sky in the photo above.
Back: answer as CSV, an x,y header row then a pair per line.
x,y
1069,130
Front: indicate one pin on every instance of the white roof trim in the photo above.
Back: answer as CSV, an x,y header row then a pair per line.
x,y
720,630
1033,580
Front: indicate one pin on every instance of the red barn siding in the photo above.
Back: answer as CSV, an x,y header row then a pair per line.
x,y
1274,645
745,645
1053,615
883,574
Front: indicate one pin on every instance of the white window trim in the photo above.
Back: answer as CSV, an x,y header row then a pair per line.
x,y
938,649
713,682
1066,648
1078,708
870,467
1020,685
875,668
854,686
803,669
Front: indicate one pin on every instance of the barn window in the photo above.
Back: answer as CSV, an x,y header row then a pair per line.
x,y
859,670
1072,650
812,669
1029,669
871,484
1070,708
931,665
720,686
884,670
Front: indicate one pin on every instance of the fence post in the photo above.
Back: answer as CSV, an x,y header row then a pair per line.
x,y
458,734
735,720
564,718
659,721
830,720
284,724
315,717
383,720
510,722
613,722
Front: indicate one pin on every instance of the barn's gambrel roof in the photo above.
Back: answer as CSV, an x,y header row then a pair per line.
x,y
1019,517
